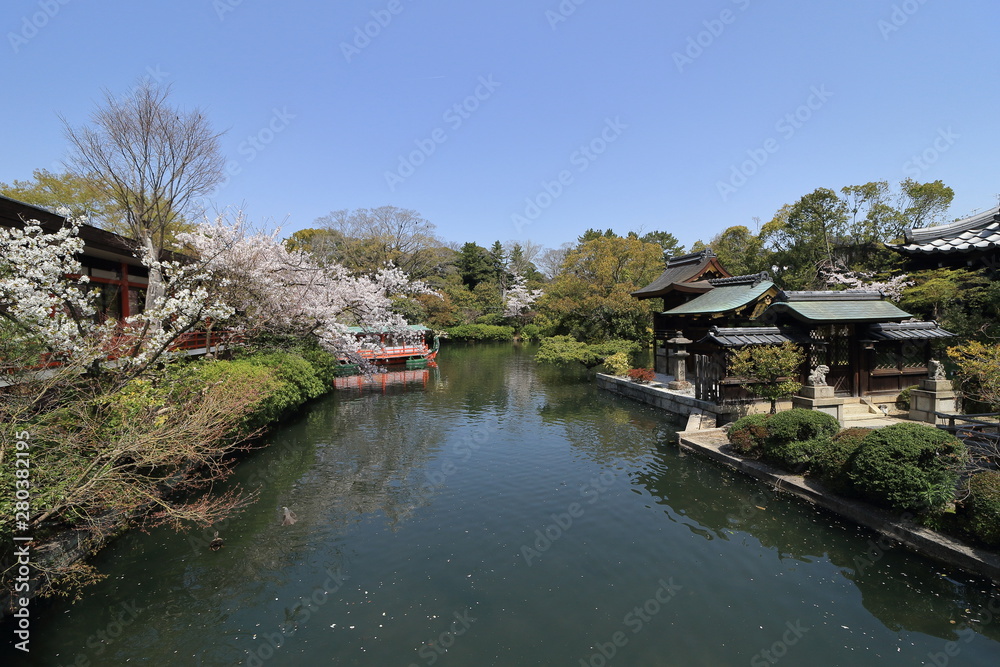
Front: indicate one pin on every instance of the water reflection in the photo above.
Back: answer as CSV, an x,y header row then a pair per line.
x,y
903,593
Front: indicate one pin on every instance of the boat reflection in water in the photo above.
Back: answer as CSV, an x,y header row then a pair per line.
x,y
385,380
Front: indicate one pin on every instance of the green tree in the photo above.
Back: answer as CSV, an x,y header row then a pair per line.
x,y
978,371
740,250
768,371
591,298
671,246
805,235
474,264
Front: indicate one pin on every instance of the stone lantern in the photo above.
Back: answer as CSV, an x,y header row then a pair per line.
x,y
677,363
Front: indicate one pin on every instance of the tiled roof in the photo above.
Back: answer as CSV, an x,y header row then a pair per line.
x,y
682,269
907,331
722,299
739,336
836,307
977,232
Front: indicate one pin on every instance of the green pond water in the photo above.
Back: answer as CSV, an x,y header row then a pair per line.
x,y
494,512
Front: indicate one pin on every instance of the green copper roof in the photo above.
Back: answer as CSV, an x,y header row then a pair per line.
x,y
721,299
832,312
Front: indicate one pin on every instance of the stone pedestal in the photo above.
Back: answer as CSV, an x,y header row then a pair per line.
x,y
932,396
820,398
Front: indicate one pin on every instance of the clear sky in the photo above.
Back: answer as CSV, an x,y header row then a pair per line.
x,y
518,119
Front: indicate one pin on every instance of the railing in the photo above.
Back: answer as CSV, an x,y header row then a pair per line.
x,y
395,352
981,437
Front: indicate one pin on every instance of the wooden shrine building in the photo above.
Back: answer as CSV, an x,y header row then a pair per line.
x,y
871,347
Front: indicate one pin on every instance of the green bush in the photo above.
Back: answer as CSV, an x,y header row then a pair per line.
x,y
903,400
491,319
981,510
799,425
747,435
531,332
617,364
908,467
481,332
324,364
830,464
239,373
298,383
797,455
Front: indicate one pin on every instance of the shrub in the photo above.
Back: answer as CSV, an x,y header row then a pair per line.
x,y
617,364
747,435
298,383
242,375
491,319
908,467
903,400
799,425
531,332
641,374
481,332
324,364
981,510
797,455
830,464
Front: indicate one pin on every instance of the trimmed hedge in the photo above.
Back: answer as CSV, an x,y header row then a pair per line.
x,y
908,467
830,465
481,332
799,425
794,437
747,435
981,510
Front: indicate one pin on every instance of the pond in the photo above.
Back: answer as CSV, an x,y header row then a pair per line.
x,y
493,512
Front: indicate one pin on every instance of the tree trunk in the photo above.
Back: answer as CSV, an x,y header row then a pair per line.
x,y
154,292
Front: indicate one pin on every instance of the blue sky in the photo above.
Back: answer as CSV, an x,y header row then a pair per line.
x,y
519,119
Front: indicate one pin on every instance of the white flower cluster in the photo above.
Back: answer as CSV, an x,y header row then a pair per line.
x,y
35,295
272,287
519,298
892,288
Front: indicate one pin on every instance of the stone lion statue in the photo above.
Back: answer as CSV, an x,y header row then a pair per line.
x,y
818,376
936,370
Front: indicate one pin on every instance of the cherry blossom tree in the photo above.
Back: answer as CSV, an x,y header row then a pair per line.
x,y
276,289
892,288
519,298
